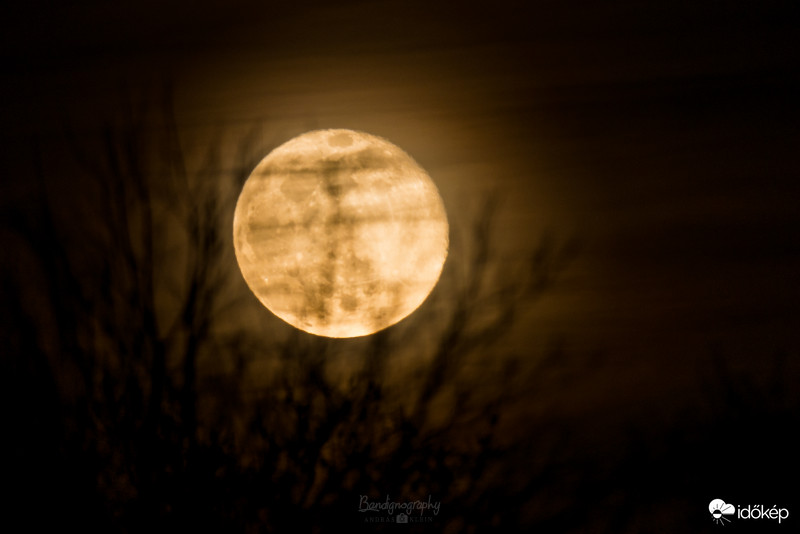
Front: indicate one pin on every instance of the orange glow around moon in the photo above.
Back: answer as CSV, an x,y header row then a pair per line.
x,y
340,233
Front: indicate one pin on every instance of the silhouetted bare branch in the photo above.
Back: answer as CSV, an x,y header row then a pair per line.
x,y
179,411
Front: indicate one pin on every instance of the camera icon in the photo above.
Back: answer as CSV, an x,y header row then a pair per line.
x,y
402,518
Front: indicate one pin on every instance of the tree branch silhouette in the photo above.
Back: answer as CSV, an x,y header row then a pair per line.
x,y
140,285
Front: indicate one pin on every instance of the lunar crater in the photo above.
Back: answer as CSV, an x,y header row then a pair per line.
x,y
344,233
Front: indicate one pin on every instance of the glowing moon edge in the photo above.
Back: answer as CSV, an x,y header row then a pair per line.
x,y
340,233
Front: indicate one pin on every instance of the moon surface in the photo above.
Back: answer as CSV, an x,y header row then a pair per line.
x,y
340,233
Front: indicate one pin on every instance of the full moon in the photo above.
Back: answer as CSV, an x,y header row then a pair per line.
x,y
340,233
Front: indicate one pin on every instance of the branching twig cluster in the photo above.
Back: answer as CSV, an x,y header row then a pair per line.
x,y
139,285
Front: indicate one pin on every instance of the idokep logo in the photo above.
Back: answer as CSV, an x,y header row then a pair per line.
x,y
719,509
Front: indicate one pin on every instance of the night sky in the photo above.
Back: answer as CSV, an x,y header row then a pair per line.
x,y
642,155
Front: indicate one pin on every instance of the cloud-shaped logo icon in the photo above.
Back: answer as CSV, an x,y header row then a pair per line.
x,y
719,509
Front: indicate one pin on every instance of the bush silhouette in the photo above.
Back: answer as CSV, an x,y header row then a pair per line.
x,y
146,388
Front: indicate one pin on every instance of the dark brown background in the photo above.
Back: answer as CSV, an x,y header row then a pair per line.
x,y
661,137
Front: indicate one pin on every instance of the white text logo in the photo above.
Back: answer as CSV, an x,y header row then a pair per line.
x,y
720,509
